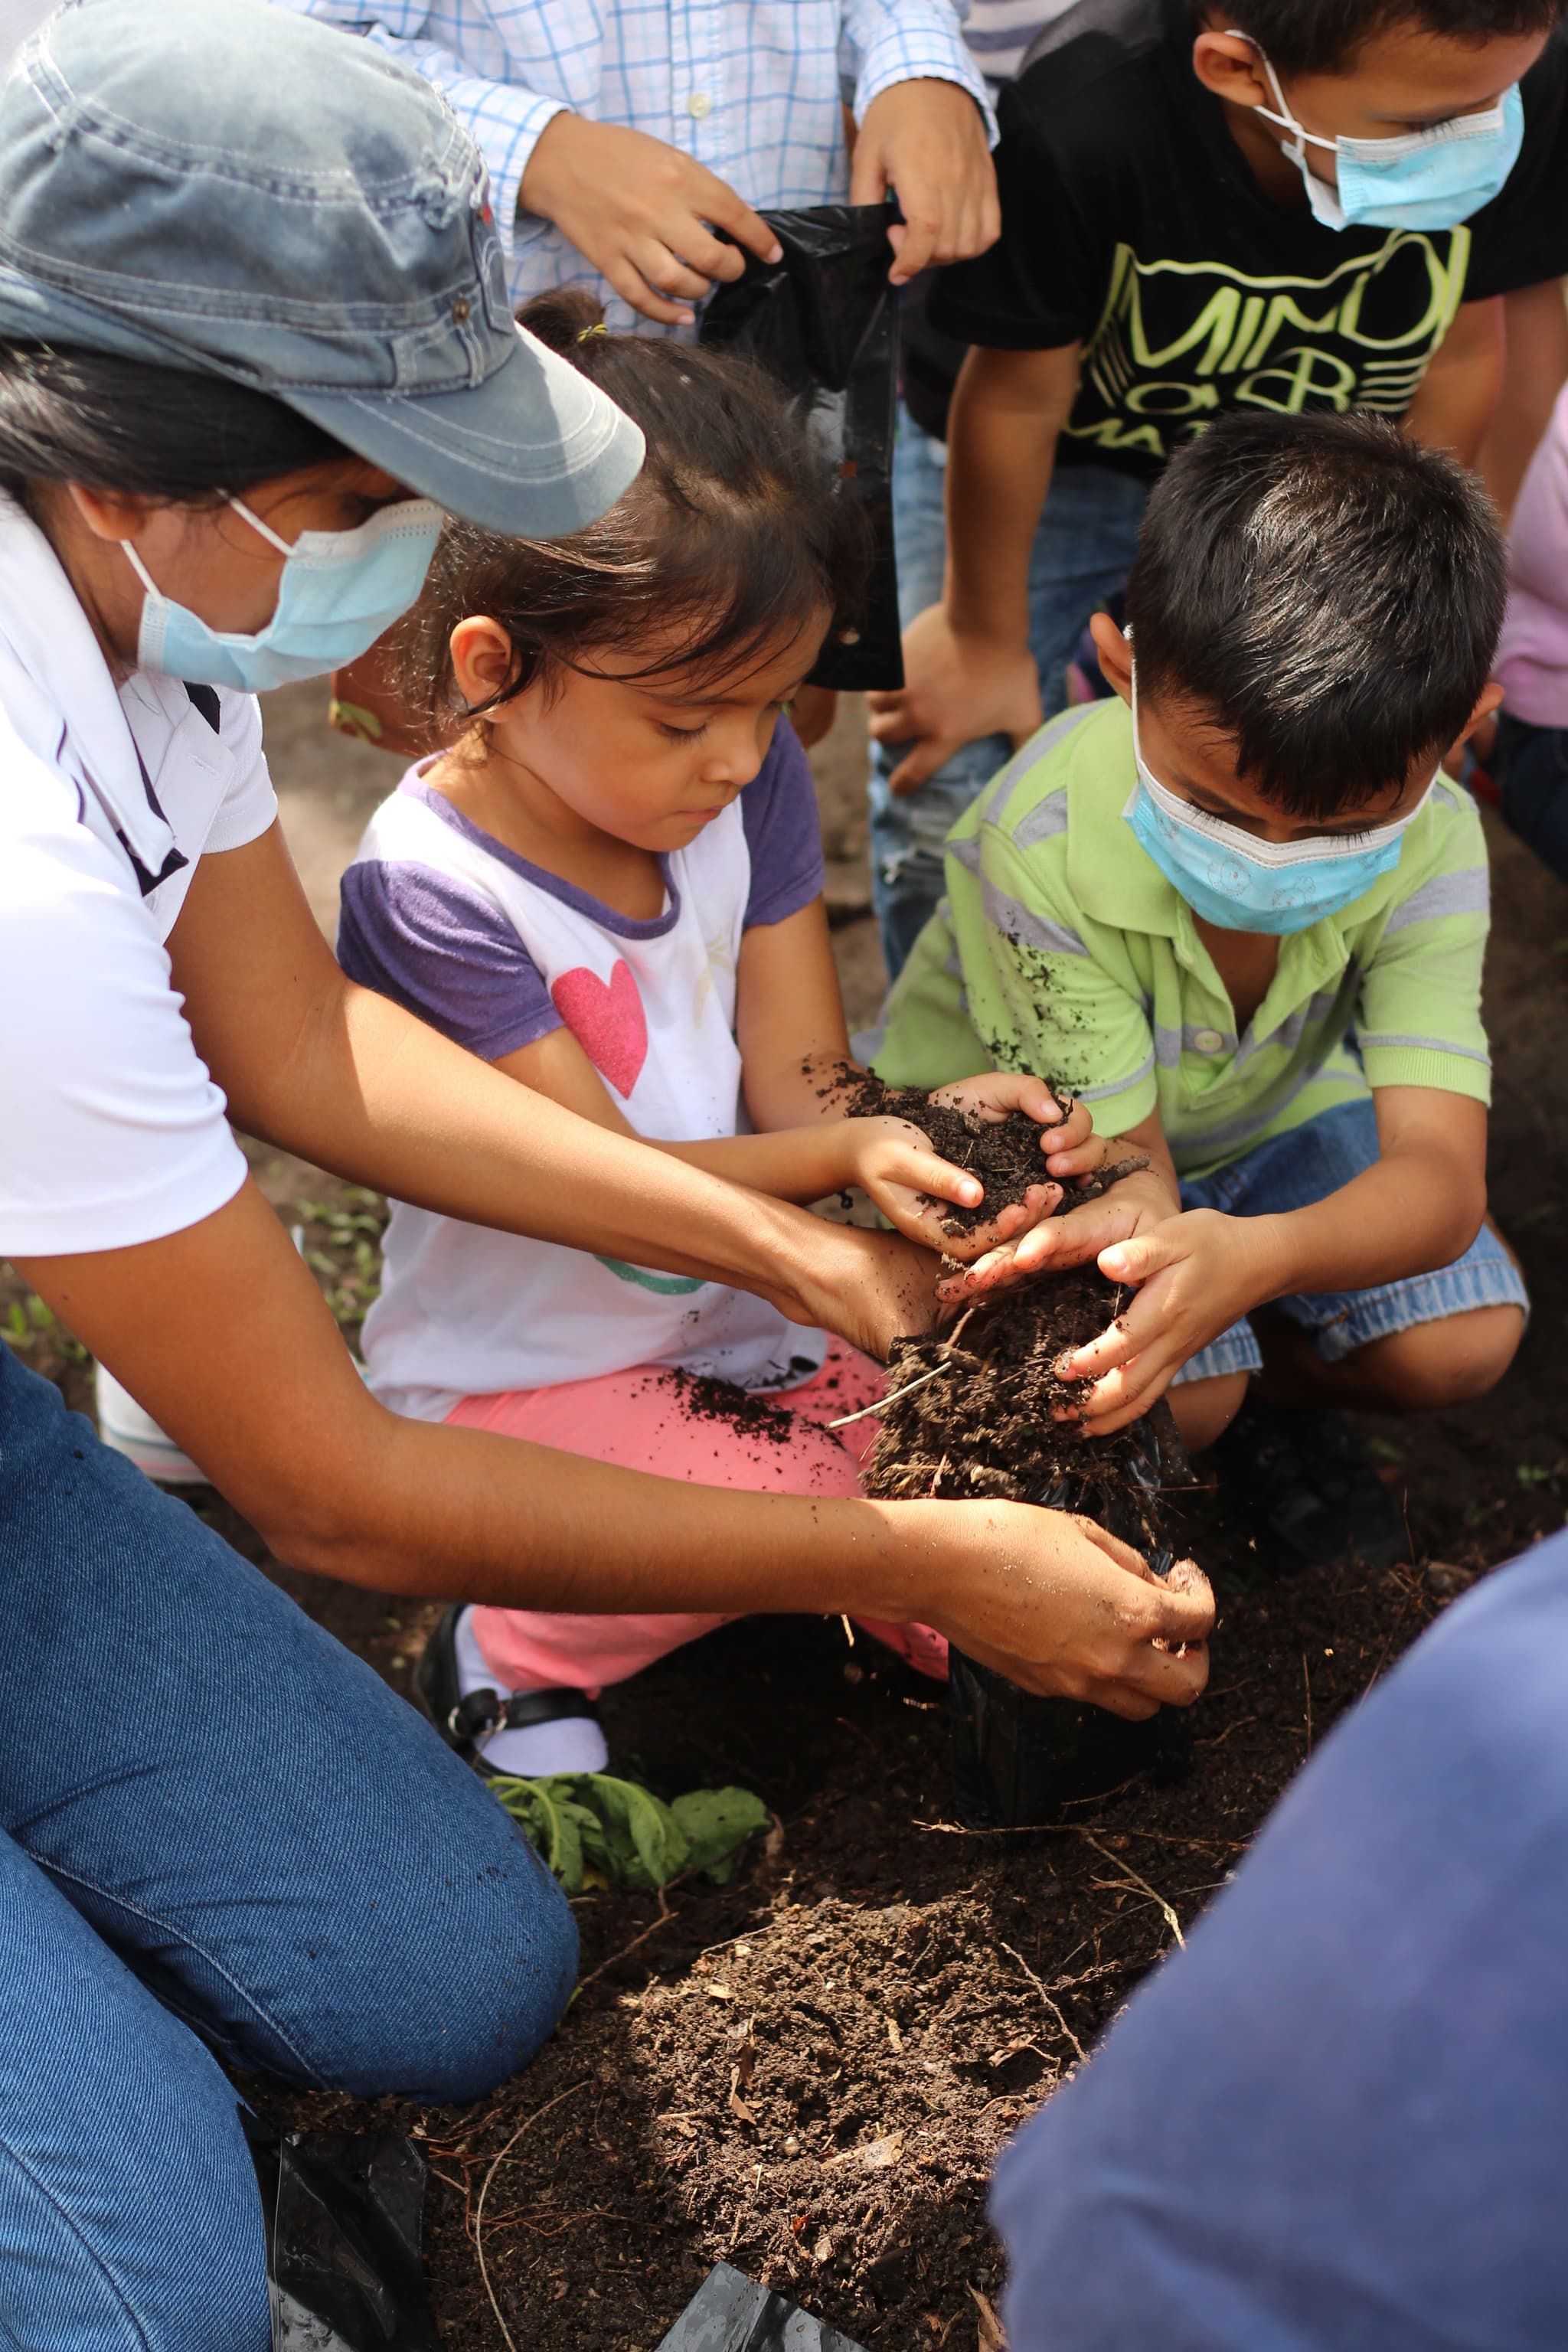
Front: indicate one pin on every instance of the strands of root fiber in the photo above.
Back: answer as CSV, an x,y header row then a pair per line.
x,y
1004,1422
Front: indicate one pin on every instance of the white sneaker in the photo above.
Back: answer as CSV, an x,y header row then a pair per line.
x,y
124,1425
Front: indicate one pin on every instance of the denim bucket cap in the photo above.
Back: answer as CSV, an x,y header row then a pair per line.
x,y
222,186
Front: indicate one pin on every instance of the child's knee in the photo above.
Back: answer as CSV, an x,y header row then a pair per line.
x,y
1447,1362
1204,1410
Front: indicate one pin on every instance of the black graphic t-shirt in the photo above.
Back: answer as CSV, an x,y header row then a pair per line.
x,y
1132,224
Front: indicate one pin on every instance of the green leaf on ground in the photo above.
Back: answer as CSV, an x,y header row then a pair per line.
x,y
590,1825
716,1824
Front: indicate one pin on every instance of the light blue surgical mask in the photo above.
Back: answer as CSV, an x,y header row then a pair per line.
x,y
338,591
1433,178
1241,884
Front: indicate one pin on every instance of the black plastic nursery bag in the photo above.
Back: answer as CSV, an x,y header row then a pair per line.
x,y
824,323
1019,1760
343,2214
731,2313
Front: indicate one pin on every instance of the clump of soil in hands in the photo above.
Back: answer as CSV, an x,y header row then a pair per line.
x,y
975,1409
981,1409
1005,1153
974,1413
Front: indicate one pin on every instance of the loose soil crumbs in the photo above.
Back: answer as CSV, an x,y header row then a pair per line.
x,y
810,2074
704,1398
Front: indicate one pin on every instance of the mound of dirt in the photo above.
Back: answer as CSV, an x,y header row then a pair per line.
x,y
809,2073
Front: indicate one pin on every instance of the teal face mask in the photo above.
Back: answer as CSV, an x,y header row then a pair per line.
x,y
1430,179
338,591
1241,884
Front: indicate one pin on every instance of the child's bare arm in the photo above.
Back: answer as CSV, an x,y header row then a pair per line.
x,y
1417,1207
795,1066
967,659
1455,398
889,1157
796,1059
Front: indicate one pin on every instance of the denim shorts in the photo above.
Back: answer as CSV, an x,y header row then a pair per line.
x,y
1292,1171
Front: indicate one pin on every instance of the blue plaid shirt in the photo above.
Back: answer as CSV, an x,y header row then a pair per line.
x,y
753,88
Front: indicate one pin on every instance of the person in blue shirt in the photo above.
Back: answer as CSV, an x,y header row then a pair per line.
x,y
1339,2118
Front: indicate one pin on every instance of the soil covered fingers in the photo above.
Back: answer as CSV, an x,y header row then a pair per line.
x,y
990,1096
1076,1615
995,1138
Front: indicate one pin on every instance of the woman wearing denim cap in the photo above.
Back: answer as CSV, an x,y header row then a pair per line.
x,y
254,334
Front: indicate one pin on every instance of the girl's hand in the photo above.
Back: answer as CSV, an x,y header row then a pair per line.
x,y
1062,1608
1195,1274
892,1161
1130,1206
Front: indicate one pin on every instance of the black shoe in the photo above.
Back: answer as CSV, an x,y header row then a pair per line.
x,y
462,1722
1305,1477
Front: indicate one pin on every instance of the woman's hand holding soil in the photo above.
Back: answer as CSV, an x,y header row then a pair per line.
x,y
1063,1608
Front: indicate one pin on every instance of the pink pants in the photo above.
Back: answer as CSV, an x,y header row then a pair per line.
x,y
637,1419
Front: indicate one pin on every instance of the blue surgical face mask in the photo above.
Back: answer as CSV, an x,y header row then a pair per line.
x,y
1433,178
338,591
1241,884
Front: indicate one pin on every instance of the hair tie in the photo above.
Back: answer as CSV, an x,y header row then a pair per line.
x,y
583,332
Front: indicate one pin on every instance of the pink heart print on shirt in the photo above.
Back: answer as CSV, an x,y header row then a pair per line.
x,y
608,1021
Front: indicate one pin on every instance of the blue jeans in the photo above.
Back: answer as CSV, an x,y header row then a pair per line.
x,y
1083,551
1294,1169
1530,765
219,1832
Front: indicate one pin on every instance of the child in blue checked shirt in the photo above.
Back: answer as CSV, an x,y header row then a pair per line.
x,y
1239,911
618,136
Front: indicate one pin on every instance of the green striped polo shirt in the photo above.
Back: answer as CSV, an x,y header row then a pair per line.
x,y
1061,949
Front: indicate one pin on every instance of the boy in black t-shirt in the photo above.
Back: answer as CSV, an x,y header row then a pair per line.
x,y
1278,203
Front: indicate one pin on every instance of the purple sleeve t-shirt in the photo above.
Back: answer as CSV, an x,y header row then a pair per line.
x,y
442,947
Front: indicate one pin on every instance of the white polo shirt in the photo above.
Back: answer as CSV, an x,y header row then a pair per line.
x,y
111,1129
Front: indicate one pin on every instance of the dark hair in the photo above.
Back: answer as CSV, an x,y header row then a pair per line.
x,y
69,414
733,531
1326,589
1308,37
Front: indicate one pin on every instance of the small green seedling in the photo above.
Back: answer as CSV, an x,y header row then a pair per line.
x,y
594,1830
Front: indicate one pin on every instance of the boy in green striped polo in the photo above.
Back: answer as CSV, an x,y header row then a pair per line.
x,y
1242,913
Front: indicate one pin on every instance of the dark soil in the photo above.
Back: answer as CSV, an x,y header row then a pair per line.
x,y
809,2073
703,1398
1006,1154
984,1410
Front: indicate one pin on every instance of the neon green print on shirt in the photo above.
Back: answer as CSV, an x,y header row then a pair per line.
x,y
1179,340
